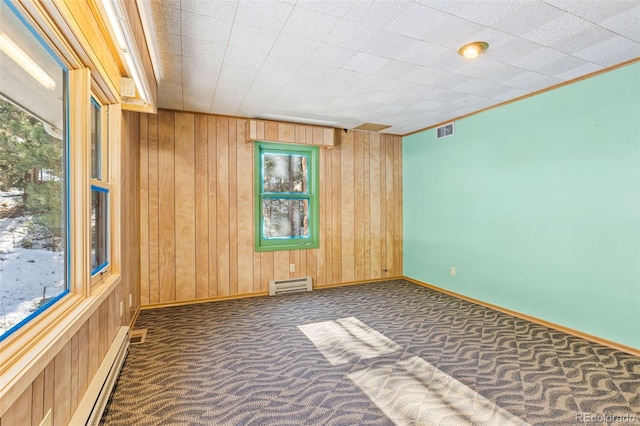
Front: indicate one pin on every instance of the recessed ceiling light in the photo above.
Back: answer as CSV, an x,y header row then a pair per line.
x,y
473,50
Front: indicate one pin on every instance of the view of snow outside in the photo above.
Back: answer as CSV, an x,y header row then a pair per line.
x,y
28,276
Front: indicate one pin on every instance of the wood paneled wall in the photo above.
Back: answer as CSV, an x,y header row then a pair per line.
x,y
196,208
62,384
130,217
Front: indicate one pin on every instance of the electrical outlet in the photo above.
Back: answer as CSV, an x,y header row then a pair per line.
x,y
130,300
121,308
453,271
47,421
292,267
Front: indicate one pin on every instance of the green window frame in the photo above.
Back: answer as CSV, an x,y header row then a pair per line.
x,y
286,196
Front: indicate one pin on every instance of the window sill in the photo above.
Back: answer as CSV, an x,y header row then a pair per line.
x,y
28,351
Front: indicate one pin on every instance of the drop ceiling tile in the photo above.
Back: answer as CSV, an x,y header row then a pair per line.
x,y
578,71
203,27
316,71
346,78
537,59
221,9
225,104
346,102
472,101
207,65
351,35
407,101
415,20
453,32
397,70
309,24
498,91
265,91
164,16
287,104
448,6
610,52
488,12
253,38
334,8
495,38
193,76
448,96
475,87
365,63
430,105
388,45
170,46
266,14
197,100
300,88
560,28
172,71
332,56
384,97
293,47
202,49
377,13
508,95
563,64
512,51
277,70
531,81
594,10
527,18
583,39
436,78
487,69
236,77
383,112
627,23
422,53
246,58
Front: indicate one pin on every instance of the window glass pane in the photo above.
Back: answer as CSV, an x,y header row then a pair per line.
x,y
284,173
285,218
99,231
33,240
96,142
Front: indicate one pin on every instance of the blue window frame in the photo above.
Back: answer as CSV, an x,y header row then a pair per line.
x,y
34,180
99,193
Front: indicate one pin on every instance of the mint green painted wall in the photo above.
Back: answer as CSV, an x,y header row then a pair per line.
x,y
537,205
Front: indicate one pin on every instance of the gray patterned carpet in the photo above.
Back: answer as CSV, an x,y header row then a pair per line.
x,y
376,354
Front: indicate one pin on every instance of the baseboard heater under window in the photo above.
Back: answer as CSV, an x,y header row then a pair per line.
x,y
95,399
293,285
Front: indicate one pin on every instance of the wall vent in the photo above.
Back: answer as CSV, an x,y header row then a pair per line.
x,y
293,285
446,130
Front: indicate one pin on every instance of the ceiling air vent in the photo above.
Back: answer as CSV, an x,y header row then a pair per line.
x,y
446,130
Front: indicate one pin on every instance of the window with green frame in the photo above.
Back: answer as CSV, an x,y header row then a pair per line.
x,y
286,200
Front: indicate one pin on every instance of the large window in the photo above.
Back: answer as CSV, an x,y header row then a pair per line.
x,y
33,174
287,196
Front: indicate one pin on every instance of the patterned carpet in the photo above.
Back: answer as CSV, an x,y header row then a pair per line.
x,y
376,354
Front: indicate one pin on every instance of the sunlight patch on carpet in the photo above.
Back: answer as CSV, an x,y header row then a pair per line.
x,y
347,339
414,392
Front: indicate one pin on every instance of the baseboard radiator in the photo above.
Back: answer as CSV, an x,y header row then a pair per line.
x,y
95,399
293,285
